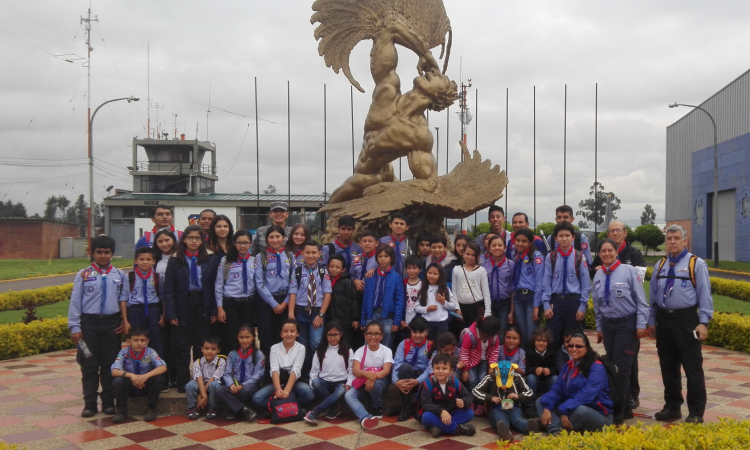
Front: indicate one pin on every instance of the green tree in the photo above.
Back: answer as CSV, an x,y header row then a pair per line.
x,y
479,229
594,209
547,227
10,209
50,208
650,236
62,205
81,215
648,216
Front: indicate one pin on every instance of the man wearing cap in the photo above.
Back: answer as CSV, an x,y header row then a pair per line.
x,y
279,214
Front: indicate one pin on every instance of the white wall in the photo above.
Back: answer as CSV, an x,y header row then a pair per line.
x,y
181,214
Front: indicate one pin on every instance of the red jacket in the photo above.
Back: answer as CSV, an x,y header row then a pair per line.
x,y
470,354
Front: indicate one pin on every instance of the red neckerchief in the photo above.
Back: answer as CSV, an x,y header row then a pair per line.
x,y
381,273
439,260
522,257
572,366
134,356
511,353
140,274
492,261
297,253
191,255
397,241
96,267
414,344
246,257
622,246
372,253
245,355
345,247
570,250
334,280
610,269
277,253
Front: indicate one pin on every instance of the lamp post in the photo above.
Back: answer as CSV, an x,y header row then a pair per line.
x,y
91,166
716,181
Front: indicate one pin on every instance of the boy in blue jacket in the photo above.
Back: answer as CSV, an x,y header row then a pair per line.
x,y
384,295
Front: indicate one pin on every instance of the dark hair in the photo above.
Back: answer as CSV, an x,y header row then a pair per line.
x,y
290,245
388,251
571,332
212,340
274,228
399,215
309,243
489,326
487,237
607,241
182,247
142,250
438,239
157,251
138,331
346,221
232,253
418,323
103,242
441,283
530,236
442,358
591,356
494,208
337,257
544,332
443,339
207,210
369,233
158,207
494,238
564,226
525,217
423,238
250,329
461,237
343,345
511,327
413,260
374,323
290,321
213,239
474,247
564,209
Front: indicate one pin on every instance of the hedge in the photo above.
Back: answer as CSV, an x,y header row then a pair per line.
x,y
731,288
726,434
39,336
14,300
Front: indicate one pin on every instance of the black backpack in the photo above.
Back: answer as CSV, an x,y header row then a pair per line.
x,y
616,383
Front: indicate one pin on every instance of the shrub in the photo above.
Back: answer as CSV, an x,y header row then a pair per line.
x,y
30,314
40,336
15,300
728,433
731,331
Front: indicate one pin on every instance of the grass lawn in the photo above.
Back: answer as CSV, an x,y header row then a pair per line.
x,y
735,266
43,312
11,269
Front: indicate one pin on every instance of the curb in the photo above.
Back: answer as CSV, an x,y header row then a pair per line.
x,y
745,274
50,276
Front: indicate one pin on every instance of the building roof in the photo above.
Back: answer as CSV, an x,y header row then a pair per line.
x,y
218,197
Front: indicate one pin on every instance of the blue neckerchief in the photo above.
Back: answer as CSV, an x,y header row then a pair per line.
x,y
608,271
144,278
365,258
494,278
242,362
380,291
194,279
565,267
104,284
672,263
520,259
137,360
244,271
347,253
278,260
396,245
416,349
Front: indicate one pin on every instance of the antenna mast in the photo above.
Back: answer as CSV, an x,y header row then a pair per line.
x,y
209,107
175,125
87,21
148,87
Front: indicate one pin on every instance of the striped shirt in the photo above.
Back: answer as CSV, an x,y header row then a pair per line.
x,y
291,360
208,370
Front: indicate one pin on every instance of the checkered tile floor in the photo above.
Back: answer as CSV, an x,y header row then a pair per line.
x,y
40,405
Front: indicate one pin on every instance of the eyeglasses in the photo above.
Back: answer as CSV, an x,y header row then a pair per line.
x,y
192,238
331,336
373,334
576,346
616,230
242,243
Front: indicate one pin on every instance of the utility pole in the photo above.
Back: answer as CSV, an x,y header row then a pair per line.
x,y
87,21
464,116
148,88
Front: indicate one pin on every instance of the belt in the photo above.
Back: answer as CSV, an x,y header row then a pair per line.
x,y
239,299
624,319
280,293
501,300
661,310
101,316
308,308
565,296
150,305
525,291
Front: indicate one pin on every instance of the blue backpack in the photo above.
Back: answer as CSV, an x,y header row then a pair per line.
x,y
429,384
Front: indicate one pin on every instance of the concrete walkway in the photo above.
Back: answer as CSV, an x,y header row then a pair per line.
x,y
40,405
35,283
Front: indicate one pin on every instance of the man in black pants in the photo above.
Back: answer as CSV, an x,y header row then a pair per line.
x,y
681,306
626,254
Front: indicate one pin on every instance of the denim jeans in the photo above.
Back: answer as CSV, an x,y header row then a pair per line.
x,y
303,391
477,374
308,336
354,398
192,391
523,310
329,392
582,418
387,324
534,383
435,328
458,416
501,310
512,417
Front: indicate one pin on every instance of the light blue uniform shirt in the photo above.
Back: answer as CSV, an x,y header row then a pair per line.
x,y
626,296
361,264
499,278
272,280
585,247
405,248
322,286
683,294
352,250
128,361
233,287
253,373
553,282
136,293
532,275
421,364
87,298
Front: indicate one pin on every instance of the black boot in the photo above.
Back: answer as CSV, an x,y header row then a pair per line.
x,y
405,412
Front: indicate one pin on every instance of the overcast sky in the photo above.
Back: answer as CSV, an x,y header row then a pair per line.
x,y
643,55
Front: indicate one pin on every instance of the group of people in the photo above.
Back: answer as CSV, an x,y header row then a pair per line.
x,y
458,333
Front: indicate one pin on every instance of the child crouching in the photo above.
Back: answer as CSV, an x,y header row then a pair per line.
x,y
242,376
445,402
503,389
207,373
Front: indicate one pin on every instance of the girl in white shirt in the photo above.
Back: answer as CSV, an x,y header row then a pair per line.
x,y
435,300
471,288
331,368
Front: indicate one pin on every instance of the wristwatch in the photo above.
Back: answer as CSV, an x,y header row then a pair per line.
x,y
124,374
320,314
